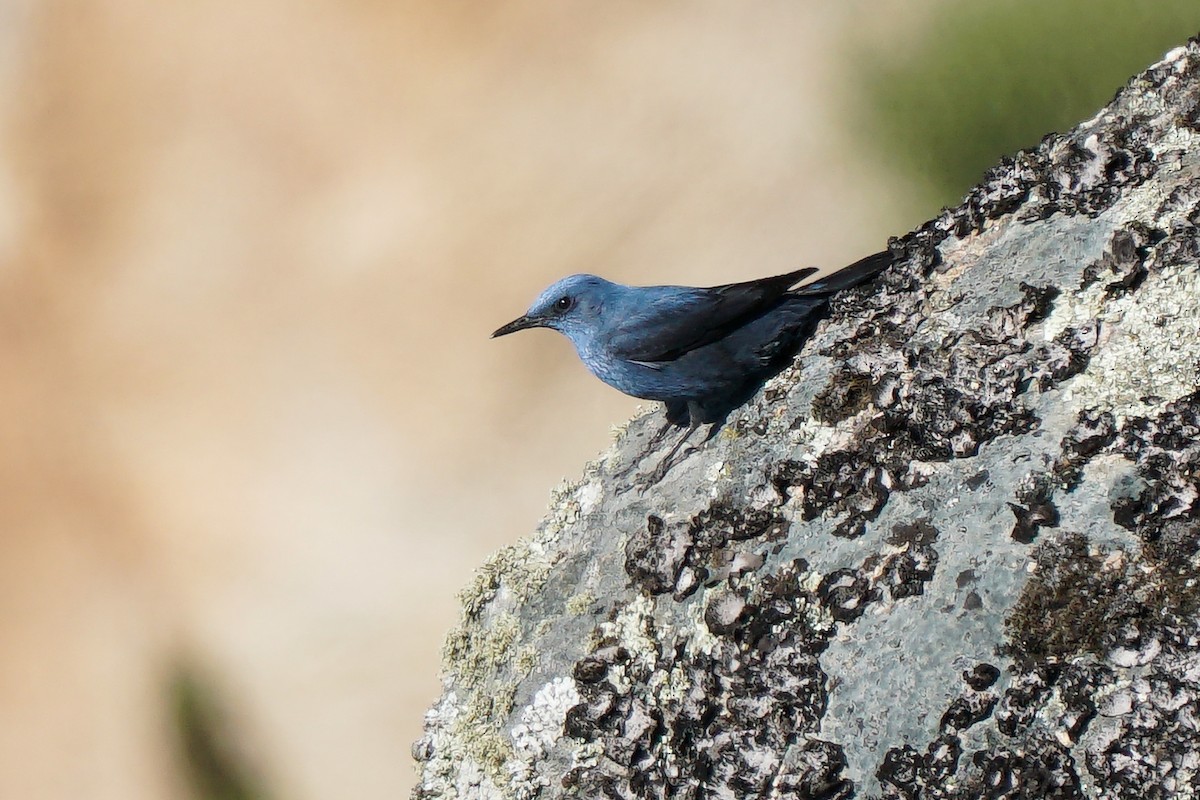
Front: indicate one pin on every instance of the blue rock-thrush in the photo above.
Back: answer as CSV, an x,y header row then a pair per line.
x,y
702,351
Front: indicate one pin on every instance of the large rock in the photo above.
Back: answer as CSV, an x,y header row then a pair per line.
x,y
954,551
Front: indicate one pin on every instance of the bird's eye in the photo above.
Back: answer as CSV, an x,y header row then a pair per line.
x,y
563,303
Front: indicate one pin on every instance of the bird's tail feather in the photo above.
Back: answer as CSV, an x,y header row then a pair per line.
x,y
859,272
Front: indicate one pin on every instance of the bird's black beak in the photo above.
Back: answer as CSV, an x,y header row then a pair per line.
x,y
518,324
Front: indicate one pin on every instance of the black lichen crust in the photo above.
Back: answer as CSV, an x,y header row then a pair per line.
x,y
679,558
1123,265
1040,768
1075,603
927,408
1093,432
1087,612
1034,509
1134,251
745,710
1085,618
1166,450
1080,601
847,394
738,717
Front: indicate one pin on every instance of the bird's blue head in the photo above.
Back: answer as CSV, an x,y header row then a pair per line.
x,y
573,306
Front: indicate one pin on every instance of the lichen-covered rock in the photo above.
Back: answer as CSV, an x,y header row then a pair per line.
x,y
952,552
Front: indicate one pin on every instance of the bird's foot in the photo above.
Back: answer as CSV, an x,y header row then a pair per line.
x,y
655,440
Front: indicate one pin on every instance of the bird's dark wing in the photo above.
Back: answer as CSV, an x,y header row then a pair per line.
x,y
674,320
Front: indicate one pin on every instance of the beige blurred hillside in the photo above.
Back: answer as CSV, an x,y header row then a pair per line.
x,y
250,255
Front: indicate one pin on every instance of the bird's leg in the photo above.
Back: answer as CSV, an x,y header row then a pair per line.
x,y
675,412
666,464
660,472
650,447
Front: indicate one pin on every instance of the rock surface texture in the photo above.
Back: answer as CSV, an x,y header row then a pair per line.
x,y
952,552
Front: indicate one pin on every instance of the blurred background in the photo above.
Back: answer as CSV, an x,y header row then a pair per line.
x,y
253,435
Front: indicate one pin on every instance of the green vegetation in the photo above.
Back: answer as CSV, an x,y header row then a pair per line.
x,y
214,765
988,79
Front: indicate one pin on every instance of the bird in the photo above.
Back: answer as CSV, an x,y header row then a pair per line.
x,y
701,351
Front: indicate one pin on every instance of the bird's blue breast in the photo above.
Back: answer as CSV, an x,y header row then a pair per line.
x,y
681,379
629,377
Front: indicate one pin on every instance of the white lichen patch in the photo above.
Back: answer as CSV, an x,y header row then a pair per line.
x,y
701,639
588,496
812,581
1093,170
816,438
464,737
633,629
716,470
1177,56
539,730
473,781
818,617
670,686
451,768
1175,140
564,510
1149,351
1116,699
